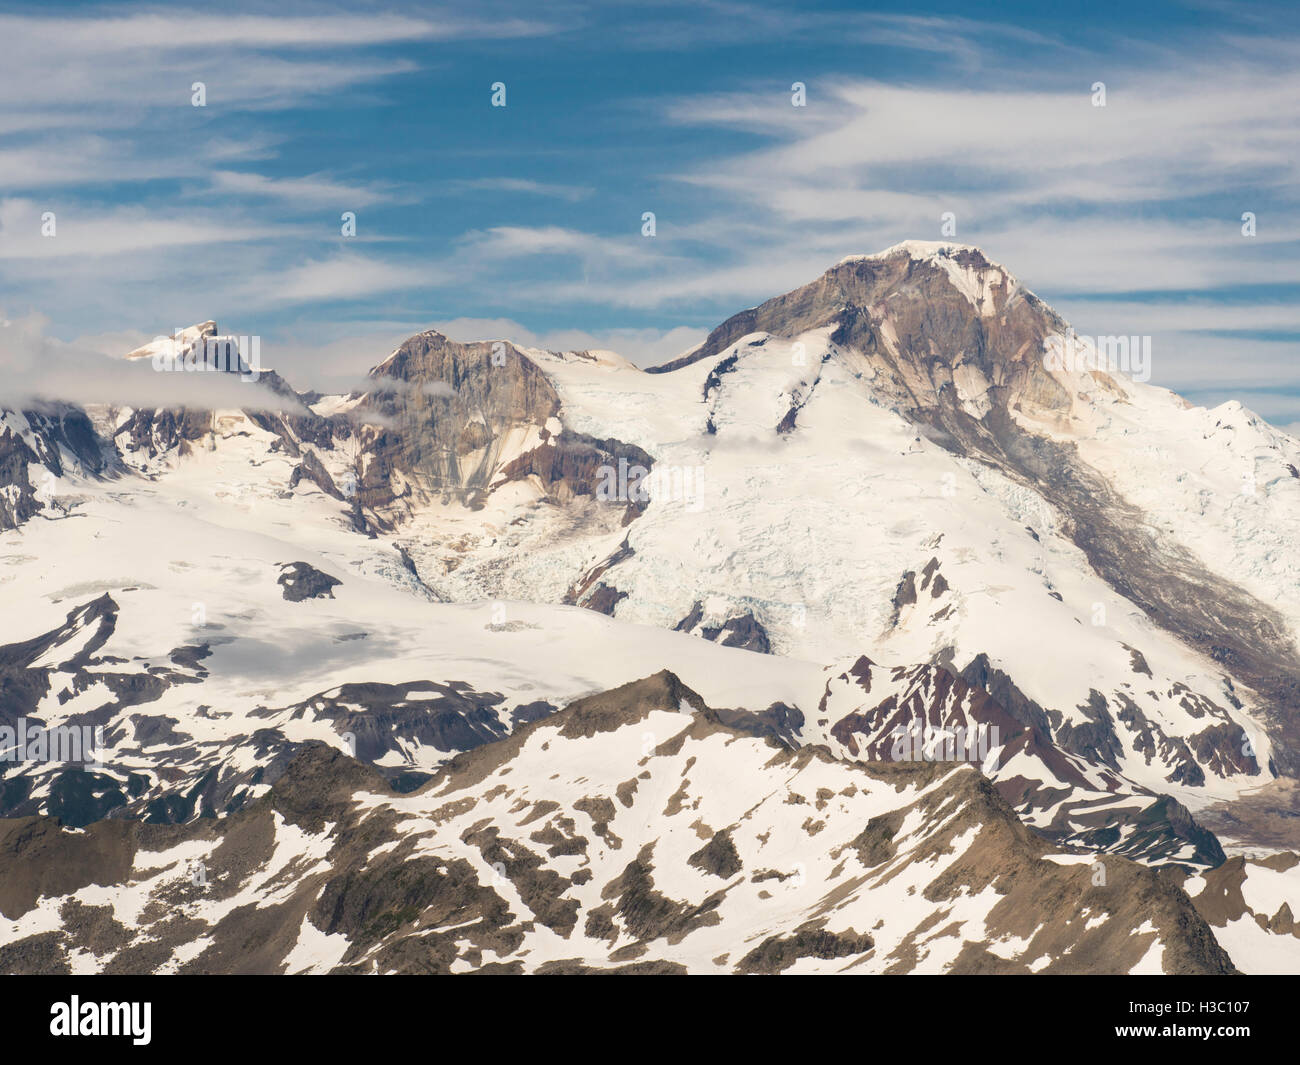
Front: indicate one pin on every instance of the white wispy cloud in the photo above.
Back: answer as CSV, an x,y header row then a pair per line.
x,y
312,190
343,276
65,78
26,231
94,60
587,249
1164,136
524,185
697,24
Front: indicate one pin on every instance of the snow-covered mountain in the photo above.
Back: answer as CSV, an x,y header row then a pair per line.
x,y
896,516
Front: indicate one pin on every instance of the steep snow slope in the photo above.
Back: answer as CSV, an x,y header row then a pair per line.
x,y
856,531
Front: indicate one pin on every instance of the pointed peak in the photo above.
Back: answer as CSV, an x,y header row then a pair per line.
x,y
626,705
184,339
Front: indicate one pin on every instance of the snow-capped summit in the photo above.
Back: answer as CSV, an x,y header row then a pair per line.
x,y
879,300
182,342
924,250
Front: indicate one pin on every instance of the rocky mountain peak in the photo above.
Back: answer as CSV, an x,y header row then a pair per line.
x,y
967,256
918,301
180,342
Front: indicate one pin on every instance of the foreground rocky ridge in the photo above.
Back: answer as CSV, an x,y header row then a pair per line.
x,y
631,831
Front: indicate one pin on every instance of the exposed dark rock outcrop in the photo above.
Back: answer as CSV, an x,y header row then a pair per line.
x,y
300,581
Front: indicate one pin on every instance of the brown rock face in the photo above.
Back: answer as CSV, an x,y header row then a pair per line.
x,y
452,413
456,420
919,331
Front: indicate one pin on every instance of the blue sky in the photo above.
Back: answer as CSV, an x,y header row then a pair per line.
x,y
525,221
